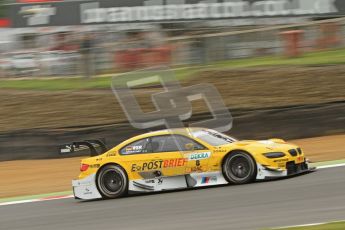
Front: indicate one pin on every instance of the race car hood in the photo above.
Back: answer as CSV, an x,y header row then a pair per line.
x,y
261,146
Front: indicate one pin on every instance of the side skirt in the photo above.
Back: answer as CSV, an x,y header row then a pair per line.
x,y
177,182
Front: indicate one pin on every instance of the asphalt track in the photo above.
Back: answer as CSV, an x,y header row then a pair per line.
x,y
310,198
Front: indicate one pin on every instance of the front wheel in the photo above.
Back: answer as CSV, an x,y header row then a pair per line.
x,y
112,181
239,168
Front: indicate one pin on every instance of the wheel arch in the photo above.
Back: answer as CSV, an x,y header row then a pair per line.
x,y
112,163
236,151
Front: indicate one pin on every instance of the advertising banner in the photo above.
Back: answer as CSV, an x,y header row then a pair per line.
x,y
63,13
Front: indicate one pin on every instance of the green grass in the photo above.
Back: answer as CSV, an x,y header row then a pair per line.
x,y
102,82
331,57
329,226
75,83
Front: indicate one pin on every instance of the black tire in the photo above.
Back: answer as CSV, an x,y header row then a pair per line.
x,y
112,181
239,168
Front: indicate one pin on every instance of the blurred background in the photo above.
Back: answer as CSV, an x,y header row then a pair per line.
x,y
279,65
44,38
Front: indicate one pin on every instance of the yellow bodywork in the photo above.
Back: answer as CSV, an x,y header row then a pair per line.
x,y
177,163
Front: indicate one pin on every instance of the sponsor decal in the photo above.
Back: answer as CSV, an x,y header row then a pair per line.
x,y
111,154
221,150
147,166
134,149
196,169
199,156
207,180
174,163
87,192
160,180
153,181
280,160
95,166
159,164
281,165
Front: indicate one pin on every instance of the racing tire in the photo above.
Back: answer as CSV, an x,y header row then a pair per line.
x,y
239,168
112,181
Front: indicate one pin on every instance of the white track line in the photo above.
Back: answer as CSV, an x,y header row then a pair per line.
x,y
307,225
301,225
330,166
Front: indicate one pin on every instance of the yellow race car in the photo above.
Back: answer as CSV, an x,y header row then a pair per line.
x,y
181,158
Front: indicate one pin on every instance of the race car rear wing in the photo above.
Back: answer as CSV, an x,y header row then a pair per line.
x,y
77,146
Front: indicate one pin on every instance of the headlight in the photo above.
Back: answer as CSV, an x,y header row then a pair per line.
x,y
274,155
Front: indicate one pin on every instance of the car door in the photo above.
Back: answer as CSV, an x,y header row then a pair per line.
x,y
197,155
166,150
156,163
180,154
156,156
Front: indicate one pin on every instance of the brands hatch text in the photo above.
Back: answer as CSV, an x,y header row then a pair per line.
x,y
181,158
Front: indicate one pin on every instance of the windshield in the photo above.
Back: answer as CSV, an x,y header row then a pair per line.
x,y
213,137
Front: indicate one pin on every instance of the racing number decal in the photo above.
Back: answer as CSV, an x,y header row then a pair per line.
x,y
197,161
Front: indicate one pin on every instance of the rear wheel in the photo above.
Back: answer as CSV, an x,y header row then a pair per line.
x,y
239,168
112,181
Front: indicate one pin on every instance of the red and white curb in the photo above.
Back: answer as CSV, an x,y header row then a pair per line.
x,y
71,196
36,200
